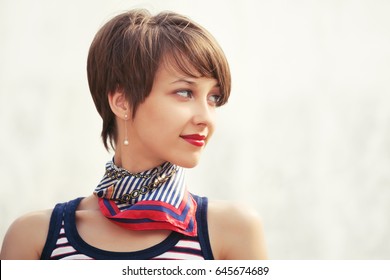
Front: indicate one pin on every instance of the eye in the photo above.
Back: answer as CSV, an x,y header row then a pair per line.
x,y
214,99
184,93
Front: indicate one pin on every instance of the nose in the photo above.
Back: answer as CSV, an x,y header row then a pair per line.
x,y
204,114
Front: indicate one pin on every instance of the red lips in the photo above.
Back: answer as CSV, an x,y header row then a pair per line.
x,y
195,139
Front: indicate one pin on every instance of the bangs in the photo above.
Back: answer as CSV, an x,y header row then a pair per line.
x,y
198,56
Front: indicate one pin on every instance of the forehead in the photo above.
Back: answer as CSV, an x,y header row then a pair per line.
x,y
171,74
178,66
182,67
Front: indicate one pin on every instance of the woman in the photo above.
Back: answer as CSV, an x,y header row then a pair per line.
x,y
156,82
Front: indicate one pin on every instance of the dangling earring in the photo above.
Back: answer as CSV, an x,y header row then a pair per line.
x,y
126,142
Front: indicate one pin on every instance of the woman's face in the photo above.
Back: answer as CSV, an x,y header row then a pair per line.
x,y
176,120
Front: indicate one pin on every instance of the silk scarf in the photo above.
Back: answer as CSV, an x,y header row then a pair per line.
x,y
149,200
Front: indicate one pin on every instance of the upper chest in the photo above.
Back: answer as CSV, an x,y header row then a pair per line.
x,y
97,231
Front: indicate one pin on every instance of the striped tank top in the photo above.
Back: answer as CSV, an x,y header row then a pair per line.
x,y
65,243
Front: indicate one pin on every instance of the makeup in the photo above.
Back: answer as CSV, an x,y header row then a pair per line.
x,y
195,139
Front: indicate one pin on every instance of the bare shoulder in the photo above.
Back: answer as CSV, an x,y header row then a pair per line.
x,y
26,236
236,231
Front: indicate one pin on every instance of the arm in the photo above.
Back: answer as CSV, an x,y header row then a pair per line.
x,y
26,237
236,232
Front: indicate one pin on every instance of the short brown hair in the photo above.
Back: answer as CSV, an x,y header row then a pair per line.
x,y
127,51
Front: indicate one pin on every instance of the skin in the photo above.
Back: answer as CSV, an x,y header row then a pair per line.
x,y
186,105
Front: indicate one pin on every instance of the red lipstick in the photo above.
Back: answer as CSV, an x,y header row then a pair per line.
x,y
195,139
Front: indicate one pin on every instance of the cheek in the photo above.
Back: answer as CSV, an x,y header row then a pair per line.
x,y
161,122
171,116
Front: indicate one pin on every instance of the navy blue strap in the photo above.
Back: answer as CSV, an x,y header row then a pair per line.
x,y
54,230
203,231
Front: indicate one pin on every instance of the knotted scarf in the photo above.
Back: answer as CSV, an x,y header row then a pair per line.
x,y
149,200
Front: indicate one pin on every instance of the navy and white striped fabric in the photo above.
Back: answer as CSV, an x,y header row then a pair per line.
x,y
64,242
153,199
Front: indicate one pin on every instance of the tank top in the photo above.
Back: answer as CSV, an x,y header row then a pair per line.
x,y
64,242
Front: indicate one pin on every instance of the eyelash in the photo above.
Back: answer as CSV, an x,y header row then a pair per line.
x,y
190,94
218,98
184,90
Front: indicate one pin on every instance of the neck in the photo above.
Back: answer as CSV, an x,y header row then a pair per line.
x,y
134,163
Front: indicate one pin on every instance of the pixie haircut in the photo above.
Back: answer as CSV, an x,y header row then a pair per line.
x,y
127,51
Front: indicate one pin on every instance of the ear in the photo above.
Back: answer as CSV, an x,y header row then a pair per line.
x,y
119,104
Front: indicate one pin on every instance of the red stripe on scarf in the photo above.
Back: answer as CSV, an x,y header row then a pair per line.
x,y
160,220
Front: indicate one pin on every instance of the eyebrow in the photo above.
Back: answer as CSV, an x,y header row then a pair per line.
x,y
184,80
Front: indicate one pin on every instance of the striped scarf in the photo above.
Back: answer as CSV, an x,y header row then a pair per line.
x,y
153,199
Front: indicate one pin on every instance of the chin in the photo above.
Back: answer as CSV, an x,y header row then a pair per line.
x,y
187,163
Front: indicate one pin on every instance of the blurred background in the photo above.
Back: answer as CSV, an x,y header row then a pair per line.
x,y
305,137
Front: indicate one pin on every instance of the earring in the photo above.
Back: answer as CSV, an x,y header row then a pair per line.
x,y
126,142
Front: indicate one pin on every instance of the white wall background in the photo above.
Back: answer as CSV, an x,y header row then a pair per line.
x,y
305,137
